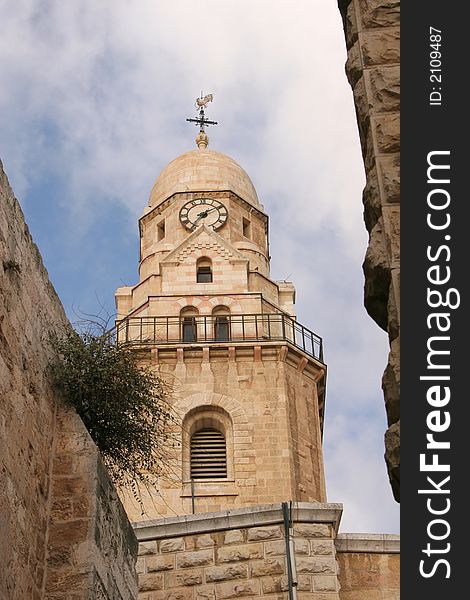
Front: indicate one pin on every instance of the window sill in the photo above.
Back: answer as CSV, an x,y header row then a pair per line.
x,y
210,487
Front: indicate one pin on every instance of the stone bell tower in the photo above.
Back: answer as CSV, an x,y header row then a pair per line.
x,y
242,511
248,379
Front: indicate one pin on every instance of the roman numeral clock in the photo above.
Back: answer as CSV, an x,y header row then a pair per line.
x,y
211,212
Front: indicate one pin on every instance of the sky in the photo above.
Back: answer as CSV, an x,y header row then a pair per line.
x,y
93,100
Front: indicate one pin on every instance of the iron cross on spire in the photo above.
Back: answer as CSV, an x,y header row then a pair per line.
x,y
201,120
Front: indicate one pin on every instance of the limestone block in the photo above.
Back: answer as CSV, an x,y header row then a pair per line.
x,y
350,22
312,530
380,46
226,572
371,200
240,589
175,594
301,546
268,566
314,564
322,547
377,276
391,216
332,596
392,457
325,583
199,541
304,583
183,578
242,552
275,548
140,566
389,169
264,533
391,383
272,585
394,320
234,536
150,582
384,85
172,545
160,563
362,108
387,132
205,592
195,559
354,67
379,13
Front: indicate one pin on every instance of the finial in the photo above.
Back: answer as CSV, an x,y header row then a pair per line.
x,y
202,140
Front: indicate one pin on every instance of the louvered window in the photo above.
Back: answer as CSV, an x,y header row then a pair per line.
x,y
208,454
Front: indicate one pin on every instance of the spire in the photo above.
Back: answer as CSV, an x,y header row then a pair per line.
x,y
202,139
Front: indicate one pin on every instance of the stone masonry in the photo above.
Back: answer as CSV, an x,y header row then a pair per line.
x,y
274,443
240,553
63,532
91,546
373,43
369,566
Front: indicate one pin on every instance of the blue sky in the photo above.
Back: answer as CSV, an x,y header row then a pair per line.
x,y
93,100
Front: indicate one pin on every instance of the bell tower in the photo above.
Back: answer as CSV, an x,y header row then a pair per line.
x,y
248,379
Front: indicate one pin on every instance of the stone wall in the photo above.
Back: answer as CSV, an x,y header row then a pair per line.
x,y
239,553
372,38
36,511
369,566
92,548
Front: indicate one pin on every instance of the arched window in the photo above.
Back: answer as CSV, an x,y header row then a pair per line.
x,y
208,454
188,324
221,319
204,270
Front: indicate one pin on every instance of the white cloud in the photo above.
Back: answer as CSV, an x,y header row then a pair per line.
x,y
95,94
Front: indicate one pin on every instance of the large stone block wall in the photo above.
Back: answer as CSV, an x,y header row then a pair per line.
x,y
369,566
373,43
240,553
37,516
91,546
29,310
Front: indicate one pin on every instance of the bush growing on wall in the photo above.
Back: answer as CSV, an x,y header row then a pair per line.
x,y
123,406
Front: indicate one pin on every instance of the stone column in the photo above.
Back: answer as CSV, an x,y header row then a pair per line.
x,y
372,39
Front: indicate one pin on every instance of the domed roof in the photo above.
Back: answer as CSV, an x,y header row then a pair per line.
x,y
202,170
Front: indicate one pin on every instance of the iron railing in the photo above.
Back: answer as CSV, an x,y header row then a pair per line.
x,y
222,328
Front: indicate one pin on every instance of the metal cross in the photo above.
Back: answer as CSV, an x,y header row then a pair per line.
x,y
201,120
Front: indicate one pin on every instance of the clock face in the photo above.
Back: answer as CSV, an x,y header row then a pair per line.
x,y
203,210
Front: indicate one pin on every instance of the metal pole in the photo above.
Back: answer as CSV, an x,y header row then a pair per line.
x,y
192,497
290,579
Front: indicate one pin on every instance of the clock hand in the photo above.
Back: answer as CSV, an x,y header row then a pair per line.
x,y
204,213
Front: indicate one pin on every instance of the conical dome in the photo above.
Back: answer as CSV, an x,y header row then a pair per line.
x,y
202,170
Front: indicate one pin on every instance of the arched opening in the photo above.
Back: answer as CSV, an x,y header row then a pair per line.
x,y
188,324
207,451
221,320
204,270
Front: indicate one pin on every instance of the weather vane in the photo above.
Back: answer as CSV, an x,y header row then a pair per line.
x,y
202,140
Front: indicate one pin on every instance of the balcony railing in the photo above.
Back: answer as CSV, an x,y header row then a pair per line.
x,y
222,328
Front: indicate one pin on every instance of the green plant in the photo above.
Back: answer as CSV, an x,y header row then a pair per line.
x,y
123,406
